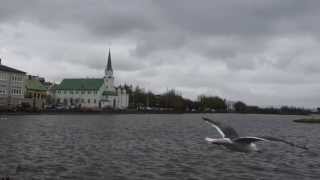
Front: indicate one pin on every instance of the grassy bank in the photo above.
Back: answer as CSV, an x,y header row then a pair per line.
x,y
307,120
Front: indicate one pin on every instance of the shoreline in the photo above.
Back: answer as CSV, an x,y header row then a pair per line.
x,y
132,112
94,112
307,120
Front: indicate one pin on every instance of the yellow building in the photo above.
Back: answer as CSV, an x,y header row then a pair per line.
x,y
36,93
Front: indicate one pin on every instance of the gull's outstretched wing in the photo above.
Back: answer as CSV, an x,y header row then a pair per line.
x,y
284,141
248,139
225,131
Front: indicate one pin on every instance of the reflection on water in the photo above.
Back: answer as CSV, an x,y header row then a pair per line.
x,y
151,147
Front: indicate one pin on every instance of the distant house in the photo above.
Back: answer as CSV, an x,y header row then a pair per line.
x,y
230,106
93,93
11,87
36,92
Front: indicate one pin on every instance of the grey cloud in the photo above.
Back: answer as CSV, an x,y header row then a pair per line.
x,y
248,17
251,50
103,18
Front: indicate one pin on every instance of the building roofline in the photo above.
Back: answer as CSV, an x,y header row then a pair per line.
x,y
80,84
10,69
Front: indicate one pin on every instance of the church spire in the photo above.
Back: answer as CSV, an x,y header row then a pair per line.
x,y
109,65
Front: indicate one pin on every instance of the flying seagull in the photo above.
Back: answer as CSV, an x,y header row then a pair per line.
x,y
231,140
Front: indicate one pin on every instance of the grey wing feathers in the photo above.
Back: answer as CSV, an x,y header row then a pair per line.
x,y
248,140
228,131
283,141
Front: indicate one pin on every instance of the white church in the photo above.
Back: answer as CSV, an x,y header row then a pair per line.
x,y
92,93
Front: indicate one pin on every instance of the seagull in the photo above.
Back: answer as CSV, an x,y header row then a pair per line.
x,y
231,140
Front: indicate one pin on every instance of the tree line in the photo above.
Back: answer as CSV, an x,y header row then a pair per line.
x,y
172,100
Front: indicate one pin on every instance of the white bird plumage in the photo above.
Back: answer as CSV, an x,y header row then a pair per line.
x,y
231,139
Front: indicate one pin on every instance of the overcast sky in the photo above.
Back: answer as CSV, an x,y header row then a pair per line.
x,y
263,52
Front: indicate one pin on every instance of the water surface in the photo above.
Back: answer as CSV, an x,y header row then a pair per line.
x,y
152,147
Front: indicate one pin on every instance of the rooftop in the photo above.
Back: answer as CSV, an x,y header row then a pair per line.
x,y
80,84
33,84
9,69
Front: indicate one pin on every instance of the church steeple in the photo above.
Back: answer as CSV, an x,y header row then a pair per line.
x,y
109,65
109,70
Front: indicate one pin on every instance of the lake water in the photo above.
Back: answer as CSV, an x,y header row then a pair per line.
x,y
152,147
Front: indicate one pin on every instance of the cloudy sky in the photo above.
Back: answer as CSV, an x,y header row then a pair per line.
x,y
263,52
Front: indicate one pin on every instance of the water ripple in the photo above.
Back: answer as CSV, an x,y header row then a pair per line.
x,y
151,147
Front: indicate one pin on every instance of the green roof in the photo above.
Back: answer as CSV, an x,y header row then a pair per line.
x,y
33,84
80,84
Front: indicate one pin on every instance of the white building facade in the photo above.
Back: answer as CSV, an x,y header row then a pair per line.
x,y
11,87
92,93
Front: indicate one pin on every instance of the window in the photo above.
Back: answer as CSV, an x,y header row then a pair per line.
x,y
95,92
14,91
71,92
82,100
95,101
65,92
89,101
18,78
89,92
77,92
82,92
